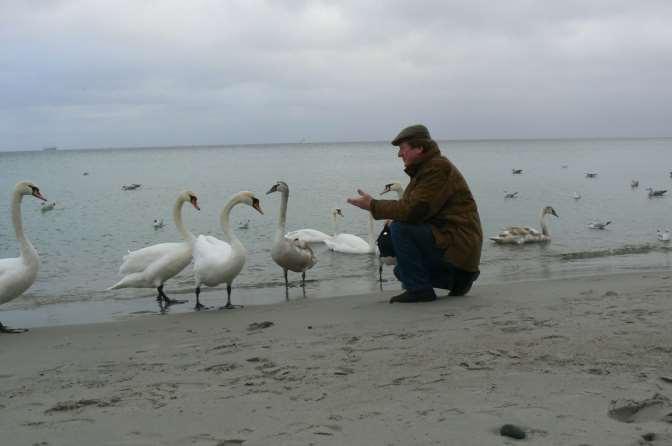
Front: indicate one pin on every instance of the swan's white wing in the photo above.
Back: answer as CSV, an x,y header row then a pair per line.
x,y
139,260
293,255
15,278
210,250
308,235
348,244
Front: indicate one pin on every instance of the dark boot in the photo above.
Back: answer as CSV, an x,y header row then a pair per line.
x,y
407,296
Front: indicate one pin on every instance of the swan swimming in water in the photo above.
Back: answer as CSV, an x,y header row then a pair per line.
x,y
525,234
290,255
18,274
313,235
152,266
217,261
352,244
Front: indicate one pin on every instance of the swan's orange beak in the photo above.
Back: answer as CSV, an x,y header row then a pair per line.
x,y
37,194
257,206
194,203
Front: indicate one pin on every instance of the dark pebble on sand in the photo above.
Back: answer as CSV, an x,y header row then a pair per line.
x,y
310,327
510,430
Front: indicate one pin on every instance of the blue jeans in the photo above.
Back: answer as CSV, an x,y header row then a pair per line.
x,y
420,264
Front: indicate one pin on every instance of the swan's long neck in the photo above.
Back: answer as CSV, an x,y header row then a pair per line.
x,y
229,236
282,221
334,221
542,223
400,193
28,252
372,237
179,224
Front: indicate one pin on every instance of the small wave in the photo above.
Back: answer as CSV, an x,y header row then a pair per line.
x,y
620,251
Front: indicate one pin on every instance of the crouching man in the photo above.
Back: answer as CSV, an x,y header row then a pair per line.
x,y
435,229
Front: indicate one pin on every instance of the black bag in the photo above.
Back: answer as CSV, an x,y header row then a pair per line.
x,y
384,242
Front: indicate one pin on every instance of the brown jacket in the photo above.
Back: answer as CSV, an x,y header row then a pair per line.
x,y
438,194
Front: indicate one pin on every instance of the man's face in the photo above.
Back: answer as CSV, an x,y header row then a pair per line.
x,y
409,154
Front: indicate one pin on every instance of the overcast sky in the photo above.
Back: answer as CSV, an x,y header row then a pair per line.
x,y
117,73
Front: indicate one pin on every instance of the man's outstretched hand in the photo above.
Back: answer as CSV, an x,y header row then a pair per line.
x,y
363,201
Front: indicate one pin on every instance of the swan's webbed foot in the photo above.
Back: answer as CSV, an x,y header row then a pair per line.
x,y
199,306
230,306
6,329
168,301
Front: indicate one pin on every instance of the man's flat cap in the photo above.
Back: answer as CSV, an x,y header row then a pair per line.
x,y
417,131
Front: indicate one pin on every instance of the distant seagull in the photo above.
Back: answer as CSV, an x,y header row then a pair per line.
x,y
158,223
133,186
510,194
663,236
576,196
656,193
564,166
634,184
85,173
591,174
598,224
48,206
517,171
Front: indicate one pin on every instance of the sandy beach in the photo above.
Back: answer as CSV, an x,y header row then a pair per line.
x,y
573,362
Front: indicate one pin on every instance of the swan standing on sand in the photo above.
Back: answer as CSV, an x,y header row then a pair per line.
x,y
18,274
217,261
525,234
290,255
313,235
152,266
388,260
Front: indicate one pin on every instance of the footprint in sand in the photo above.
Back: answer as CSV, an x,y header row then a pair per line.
x,y
657,408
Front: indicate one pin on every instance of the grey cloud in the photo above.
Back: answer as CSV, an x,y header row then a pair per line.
x,y
97,74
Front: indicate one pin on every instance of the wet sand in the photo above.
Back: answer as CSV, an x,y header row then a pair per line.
x,y
584,361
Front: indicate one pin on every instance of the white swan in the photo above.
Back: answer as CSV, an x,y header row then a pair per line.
x,y
152,266
352,244
663,236
217,261
395,186
18,274
525,234
290,255
313,235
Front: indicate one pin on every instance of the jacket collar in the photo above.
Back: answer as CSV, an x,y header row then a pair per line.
x,y
428,155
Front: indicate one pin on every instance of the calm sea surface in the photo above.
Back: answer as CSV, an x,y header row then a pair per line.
x,y
82,241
